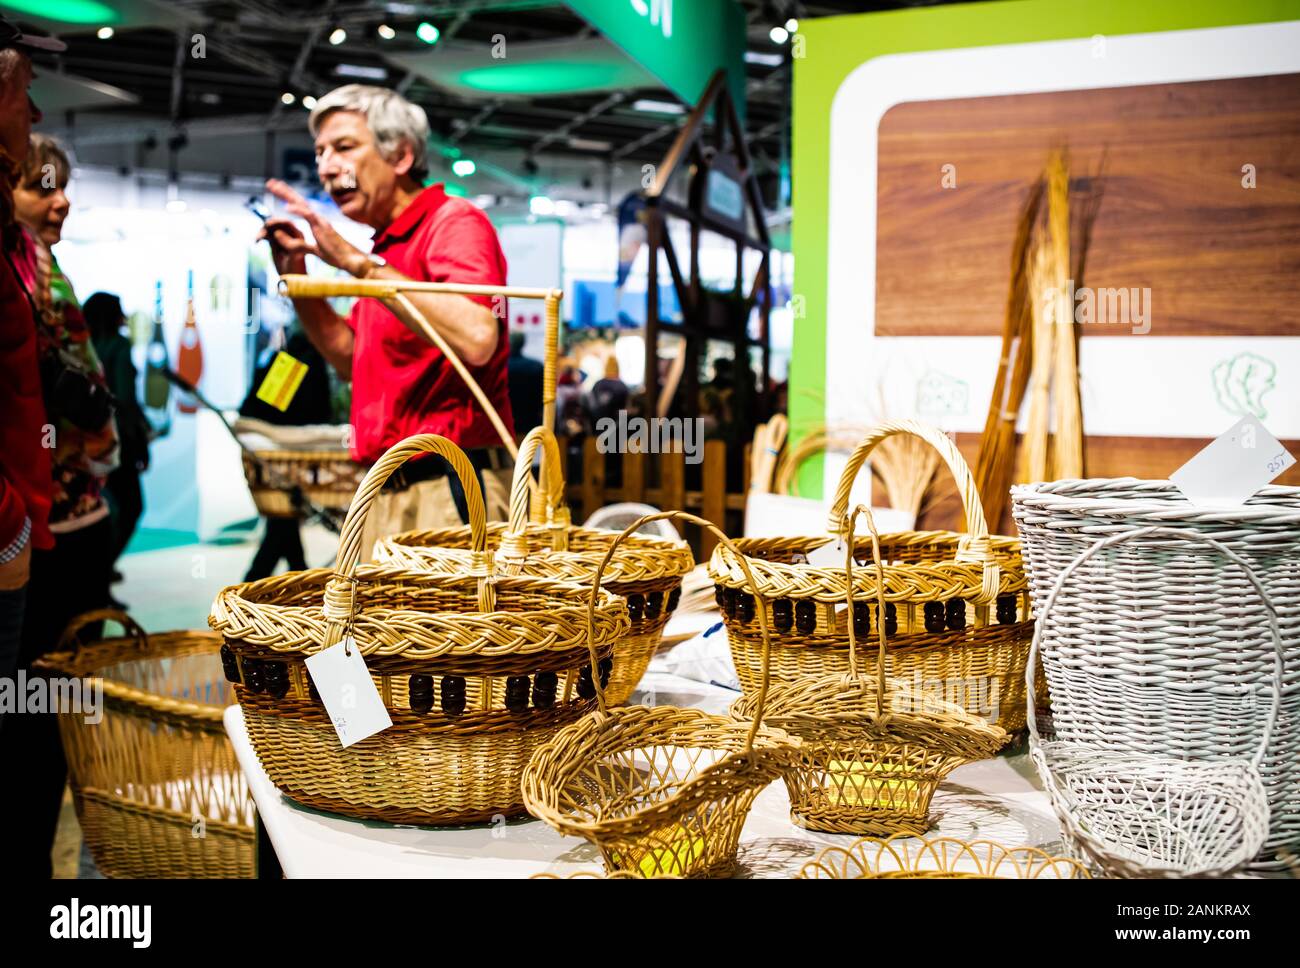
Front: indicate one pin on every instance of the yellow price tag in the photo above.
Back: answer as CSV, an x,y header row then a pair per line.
x,y
282,381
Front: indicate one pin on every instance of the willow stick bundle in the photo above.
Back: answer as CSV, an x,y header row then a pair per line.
x,y
769,441
905,465
1043,308
1067,443
994,466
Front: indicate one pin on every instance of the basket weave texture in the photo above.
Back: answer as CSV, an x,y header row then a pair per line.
x,y
873,751
658,790
326,478
646,571
1151,814
1159,615
957,608
476,670
155,783
906,858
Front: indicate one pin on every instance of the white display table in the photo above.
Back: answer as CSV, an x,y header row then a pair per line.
x,y
995,799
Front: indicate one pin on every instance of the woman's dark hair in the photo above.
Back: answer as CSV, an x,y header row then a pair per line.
x,y
103,312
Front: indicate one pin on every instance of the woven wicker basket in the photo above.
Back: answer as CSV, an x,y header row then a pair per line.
x,y
959,620
1150,578
155,782
873,751
658,790
646,571
513,660
905,858
279,480
1142,814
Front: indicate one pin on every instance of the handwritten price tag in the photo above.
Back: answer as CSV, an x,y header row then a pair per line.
x,y
1233,467
351,699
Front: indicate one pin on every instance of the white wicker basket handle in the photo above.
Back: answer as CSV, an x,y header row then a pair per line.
x,y
709,526
1181,534
340,593
551,510
975,547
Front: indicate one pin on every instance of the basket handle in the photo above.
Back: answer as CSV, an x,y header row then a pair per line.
x,y
749,578
514,544
340,593
847,529
1269,724
70,641
975,546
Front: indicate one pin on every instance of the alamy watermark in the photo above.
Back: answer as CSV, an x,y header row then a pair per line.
x,y
1103,307
651,435
41,694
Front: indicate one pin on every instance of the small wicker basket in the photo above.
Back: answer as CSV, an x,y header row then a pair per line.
x,y
280,480
646,571
873,751
958,616
658,790
906,858
1131,814
513,659
156,786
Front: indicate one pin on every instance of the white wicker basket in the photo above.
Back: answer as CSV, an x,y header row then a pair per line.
x,y
1160,579
1134,814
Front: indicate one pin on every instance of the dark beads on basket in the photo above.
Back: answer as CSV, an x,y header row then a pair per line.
x,y
253,679
891,619
745,607
934,617
586,688
861,619
720,596
544,688
275,679
419,690
229,663
805,616
956,613
517,693
654,605
311,686
453,695
635,606
674,597
606,666
1007,609
782,615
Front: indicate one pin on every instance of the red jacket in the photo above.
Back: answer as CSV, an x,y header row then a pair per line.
x,y
26,481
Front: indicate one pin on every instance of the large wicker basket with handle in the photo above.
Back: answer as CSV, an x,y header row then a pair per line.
x,y
873,751
1132,811
476,670
658,790
646,571
1149,579
957,608
155,782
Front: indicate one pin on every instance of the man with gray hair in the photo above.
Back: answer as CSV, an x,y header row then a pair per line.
x,y
372,158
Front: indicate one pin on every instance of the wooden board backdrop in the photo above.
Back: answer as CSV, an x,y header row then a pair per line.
x,y
1220,259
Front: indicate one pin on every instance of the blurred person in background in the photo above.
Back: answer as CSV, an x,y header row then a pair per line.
x,y
609,395
73,576
526,377
25,480
372,158
104,316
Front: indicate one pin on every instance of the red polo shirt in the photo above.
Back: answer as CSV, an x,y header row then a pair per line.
x,y
401,384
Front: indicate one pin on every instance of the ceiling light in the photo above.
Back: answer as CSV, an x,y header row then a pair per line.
x,y
287,97
428,33
589,144
779,35
103,33
366,71
309,102
338,36
176,206
385,31
564,208
658,107
792,25
541,205
767,60
484,201
464,167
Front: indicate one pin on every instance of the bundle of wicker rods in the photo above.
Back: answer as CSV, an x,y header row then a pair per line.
x,y
476,670
658,790
646,571
155,782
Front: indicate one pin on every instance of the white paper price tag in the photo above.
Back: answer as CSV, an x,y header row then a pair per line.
x,y
1233,467
351,700
829,555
